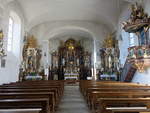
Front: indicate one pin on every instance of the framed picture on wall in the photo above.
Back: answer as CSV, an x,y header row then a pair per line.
x,y
3,63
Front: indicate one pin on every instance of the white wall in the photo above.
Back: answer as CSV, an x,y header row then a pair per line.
x,y
143,78
123,36
11,70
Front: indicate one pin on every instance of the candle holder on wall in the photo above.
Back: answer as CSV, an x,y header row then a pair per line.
x,y
139,23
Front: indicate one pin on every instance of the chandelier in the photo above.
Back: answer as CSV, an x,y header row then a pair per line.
x,y
139,23
2,52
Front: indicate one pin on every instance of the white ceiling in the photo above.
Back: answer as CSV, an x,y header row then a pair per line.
x,y
100,11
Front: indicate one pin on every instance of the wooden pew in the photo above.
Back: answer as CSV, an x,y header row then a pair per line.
x,y
42,103
133,110
131,94
7,90
86,84
37,85
104,103
100,84
60,84
31,95
112,90
37,90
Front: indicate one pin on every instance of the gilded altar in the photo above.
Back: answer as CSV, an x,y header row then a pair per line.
x,y
30,66
70,60
109,54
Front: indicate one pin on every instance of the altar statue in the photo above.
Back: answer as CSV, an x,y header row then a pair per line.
x,y
2,52
109,55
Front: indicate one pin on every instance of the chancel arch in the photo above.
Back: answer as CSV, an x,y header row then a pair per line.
x,y
83,42
71,57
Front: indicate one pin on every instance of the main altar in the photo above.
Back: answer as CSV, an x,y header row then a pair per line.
x,y
70,62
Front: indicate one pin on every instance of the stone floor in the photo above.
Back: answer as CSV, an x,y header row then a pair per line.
x,y
72,101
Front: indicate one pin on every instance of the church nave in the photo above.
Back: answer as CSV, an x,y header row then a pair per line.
x,y
74,56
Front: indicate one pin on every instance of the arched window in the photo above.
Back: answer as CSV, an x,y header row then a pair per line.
x,y
10,34
14,34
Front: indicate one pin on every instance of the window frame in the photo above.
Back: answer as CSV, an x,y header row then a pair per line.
x,y
131,39
10,37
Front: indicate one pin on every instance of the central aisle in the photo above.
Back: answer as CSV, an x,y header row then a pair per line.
x,y
72,101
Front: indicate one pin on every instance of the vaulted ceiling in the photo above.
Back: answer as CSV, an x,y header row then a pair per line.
x,y
98,11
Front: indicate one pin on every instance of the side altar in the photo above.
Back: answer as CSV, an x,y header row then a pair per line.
x,y
30,67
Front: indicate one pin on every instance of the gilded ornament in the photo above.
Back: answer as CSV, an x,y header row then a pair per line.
x,y
31,42
31,58
1,35
138,19
109,41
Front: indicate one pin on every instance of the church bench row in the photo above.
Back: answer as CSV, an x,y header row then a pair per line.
x,y
56,85
25,90
40,83
94,100
56,92
84,85
105,86
91,91
48,83
105,103
135,90
117,87
36,90
39,89
31,95
42,103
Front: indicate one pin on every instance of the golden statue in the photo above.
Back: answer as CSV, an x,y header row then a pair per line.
x,y
1,35
70,44
138,19
31,42
31,56
109,41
